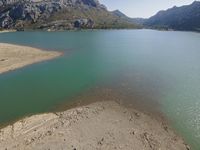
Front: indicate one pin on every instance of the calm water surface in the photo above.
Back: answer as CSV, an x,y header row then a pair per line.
x,y
161,67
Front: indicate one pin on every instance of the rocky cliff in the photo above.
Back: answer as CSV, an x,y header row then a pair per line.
x,y
57,15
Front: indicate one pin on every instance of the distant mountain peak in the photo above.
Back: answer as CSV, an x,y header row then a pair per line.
x,y
196,2
119,13
186,17
138,21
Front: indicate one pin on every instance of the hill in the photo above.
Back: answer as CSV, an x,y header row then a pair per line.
x,y
138,21
58,15
185,18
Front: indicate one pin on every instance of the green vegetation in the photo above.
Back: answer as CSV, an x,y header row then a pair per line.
x,y
102,18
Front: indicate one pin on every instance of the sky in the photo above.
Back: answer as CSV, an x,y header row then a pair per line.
x,y
142,8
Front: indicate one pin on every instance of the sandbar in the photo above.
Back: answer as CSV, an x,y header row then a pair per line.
x,y
14,56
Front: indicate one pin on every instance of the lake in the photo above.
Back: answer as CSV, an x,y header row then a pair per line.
x,y
157,70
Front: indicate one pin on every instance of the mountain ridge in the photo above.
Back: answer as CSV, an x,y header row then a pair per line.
x,y
138,21
90,14
185,18
57,15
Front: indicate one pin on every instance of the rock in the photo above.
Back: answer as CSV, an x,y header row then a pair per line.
x,y
6,22
1,3
132,132
101,142
131,118
93,3
84,23
35,10
187,147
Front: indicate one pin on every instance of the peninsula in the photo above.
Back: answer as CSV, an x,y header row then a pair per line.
x,y
103,125
15,56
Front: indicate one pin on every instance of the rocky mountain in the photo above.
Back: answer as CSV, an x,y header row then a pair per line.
x,y
57,15
177,18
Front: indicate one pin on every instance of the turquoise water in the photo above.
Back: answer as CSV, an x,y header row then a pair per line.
x,y
161,67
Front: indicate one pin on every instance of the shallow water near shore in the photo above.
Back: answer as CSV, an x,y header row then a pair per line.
x,y
155,69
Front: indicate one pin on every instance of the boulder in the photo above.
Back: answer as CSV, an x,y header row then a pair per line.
x,y
83,23
1,3
6,22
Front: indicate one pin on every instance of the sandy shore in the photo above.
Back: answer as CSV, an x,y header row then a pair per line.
x,y
14,56
97,126
5,31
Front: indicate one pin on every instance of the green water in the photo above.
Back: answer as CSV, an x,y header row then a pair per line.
x,y
161,67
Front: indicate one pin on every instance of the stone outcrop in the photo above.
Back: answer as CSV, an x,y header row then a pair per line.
x,y
57,15
83,23
16,13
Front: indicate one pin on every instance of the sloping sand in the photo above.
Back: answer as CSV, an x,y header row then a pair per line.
x,y
98,126
14,56
5,31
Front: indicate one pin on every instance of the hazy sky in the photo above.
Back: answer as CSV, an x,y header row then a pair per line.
x,y
142,8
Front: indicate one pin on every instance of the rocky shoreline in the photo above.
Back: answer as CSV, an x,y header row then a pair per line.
x,y
100,125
